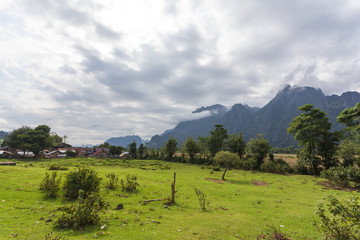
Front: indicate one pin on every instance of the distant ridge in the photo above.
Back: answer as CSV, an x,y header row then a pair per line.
x,y
271,121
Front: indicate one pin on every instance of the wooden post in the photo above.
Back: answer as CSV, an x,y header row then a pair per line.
x,y
173,189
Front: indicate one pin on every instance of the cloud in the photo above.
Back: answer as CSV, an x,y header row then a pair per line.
x,y
99,69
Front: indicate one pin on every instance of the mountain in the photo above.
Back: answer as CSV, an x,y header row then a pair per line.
x,y
271,121
3,134
125,141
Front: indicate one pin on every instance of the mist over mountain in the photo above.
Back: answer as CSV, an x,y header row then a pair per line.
x,y
125,141
271,121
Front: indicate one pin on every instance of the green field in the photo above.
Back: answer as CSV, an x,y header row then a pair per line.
x,y
237,207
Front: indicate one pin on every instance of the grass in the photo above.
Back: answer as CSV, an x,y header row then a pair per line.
x,y
237,206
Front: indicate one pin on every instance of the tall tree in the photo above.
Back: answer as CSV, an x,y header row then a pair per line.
x,y
141,151
259,148
132,149
351,118
312,129
170,148
191,147
236,144
216,139
28,139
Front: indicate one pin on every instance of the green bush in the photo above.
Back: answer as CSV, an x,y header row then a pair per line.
x,y
112,182
340,220
50,185
276,166
57,167
130,185
85,211
83,179
248,163
343,176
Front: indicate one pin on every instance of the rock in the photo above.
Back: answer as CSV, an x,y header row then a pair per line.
x,y
119,206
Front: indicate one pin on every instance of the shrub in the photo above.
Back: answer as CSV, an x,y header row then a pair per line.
x,y
50,185
276,166
339,219
130,184
343,176
84,212
248,163
274,234
83,179
202,199
57,167
113,181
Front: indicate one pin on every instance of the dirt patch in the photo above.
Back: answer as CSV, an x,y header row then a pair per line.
x,y
215,180
259,183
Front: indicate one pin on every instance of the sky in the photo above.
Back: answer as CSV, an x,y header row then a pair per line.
x,y
95,69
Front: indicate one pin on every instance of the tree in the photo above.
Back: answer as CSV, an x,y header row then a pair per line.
x,y
236,144
351,118
348,150
170,148
132,149
55,139
26,138
312,129
259,148
191,147
203,144
226,159
115,150
216,139
141,151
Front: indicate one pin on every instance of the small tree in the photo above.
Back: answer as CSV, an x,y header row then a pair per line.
x,y
348,150
132,149
50,185
191,147
216,139
259,148
227,160
170,148
236,144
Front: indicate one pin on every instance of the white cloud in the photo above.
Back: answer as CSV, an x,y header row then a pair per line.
x,y
99,69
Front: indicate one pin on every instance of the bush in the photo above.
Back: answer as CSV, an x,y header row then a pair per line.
x,y
50,185
130,185
274,234
276,166
248,163
343,176
84,212
57,167
113,181
202,199
83,179
339,219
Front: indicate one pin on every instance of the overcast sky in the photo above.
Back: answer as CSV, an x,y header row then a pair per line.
x,y
95,69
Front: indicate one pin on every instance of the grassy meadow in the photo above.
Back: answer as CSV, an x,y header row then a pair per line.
x,y
238,208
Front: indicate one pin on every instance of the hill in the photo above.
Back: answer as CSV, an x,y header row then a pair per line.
x,y
271,121
125,141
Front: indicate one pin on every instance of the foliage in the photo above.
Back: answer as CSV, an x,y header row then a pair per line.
x,y
348,150
112,182
115,150
132,149
236,144
343,176
84,212
191,147
216,139
83,179
276,166
340,220
226,159
202,199
57,167
170,148
311,128
71,153
141,151
258,149
248,163
351,118
26,138
130,185
50,185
